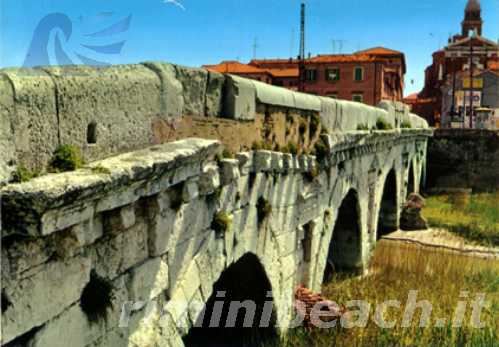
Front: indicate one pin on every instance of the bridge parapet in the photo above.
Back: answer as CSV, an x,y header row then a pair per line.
x,y
107,111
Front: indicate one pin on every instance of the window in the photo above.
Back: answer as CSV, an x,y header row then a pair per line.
x,y
358,74
333,75
311,75
357,97
92,133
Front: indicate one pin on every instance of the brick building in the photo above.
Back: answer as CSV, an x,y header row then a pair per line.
x,y
365,76
454,60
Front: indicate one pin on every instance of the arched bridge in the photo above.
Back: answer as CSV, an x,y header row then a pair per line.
x,y
200,189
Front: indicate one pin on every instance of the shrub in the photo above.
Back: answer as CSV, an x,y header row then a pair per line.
x,y
264,209
261,145
226,154
23,174
312,174
320,149
221,223
291,148
406,124
96,298
383,124
66,158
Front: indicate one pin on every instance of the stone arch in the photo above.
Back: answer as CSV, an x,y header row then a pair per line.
x,y
345,248
243,282
388,211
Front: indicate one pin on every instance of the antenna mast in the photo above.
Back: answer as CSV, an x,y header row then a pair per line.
x,y
301,56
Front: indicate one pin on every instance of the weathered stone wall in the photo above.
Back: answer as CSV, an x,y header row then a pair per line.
x,y
142,222
107,111
464,159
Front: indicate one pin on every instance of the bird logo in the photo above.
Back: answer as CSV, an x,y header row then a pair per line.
x,y
60,27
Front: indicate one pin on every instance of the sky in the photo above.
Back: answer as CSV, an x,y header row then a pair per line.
x,y
197,32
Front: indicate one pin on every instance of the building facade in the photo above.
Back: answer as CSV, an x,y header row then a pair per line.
x,y
467,54
367,76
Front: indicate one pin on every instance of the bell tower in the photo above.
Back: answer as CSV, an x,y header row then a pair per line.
x,y
472,18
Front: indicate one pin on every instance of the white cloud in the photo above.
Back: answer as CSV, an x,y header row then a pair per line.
x,y
175,2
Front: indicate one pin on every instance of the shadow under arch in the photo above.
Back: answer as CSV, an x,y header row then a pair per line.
x,y
388,218
411,180
244,282
345,248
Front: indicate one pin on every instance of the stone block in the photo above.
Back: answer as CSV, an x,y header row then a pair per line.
x,y
43,296
172,94
229,171
209,181
34,123
214,94
262,161
70,328
240,99
148,280
277,162
245,162
287,162
116,255
111,100
194,82
8,156
303,162
190,190
120,219
88,232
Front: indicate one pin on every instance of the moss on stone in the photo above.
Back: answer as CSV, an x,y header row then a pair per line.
x,y
66,158
261,145
291,148
221,223
362,126
23,174
406,124
383,124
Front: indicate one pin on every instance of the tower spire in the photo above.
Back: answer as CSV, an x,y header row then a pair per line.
x,y
472,18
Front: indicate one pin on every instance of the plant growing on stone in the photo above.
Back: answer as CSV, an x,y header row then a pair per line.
x,y
226,154
362,127
96,298
23,174
66,158
261,145
383,124
290,148
312,174
263,208
320,149
406,125
221,223
315,124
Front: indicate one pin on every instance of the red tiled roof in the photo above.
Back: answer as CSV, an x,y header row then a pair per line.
x,y
341,58
235,67
292,72
379,51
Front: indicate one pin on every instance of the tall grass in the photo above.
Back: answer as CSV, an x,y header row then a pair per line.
x,y
476,220
439,277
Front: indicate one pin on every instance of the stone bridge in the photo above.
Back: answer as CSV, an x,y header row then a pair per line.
x,y
196,184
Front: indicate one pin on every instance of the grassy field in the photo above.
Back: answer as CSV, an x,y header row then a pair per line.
x,y
440,277
476,220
